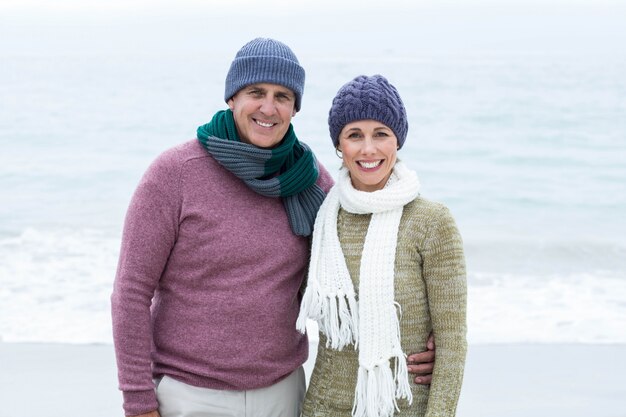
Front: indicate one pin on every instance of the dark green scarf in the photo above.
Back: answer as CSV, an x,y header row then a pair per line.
x,y
288,170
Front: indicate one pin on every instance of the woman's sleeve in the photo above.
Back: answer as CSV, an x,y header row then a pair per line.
x,y
445,277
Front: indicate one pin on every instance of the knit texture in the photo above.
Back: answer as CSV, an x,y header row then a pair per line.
x,y
366,98
264,60
372,324
289,170
208,282
430,288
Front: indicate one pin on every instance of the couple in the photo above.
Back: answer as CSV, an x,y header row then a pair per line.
x,y
210,298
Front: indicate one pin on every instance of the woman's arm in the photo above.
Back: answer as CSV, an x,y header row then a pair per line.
x,y
444,274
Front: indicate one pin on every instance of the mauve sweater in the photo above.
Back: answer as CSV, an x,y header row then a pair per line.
x,y
208,280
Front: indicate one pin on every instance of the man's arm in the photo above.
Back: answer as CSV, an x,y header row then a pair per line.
x,y
150,231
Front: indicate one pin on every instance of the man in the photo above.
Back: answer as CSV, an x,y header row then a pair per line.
x,y
214,252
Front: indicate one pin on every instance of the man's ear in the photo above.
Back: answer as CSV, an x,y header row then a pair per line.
x,y
231,104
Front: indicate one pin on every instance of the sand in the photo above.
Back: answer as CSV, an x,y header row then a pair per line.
x,y
58,380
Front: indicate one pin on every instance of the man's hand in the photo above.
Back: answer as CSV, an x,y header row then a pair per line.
x,y
422,364
154,413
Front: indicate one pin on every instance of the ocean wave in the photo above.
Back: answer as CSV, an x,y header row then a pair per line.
x,y
56,285
539,257
552,308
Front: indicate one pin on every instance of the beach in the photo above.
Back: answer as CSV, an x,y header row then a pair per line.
x,y
516,116
501,380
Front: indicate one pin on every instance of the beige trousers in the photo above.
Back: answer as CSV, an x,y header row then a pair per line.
x,y
283,399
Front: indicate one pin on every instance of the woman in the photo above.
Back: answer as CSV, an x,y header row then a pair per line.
x,y
387,268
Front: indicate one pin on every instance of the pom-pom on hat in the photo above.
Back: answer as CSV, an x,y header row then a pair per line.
x,y
368,98
264,60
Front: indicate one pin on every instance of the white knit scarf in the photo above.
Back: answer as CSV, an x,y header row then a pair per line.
x,y
372,324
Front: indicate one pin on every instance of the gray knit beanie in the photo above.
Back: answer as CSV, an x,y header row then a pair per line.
x,y
368,98
264,60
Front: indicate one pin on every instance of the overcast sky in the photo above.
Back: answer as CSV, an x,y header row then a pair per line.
x,y
25,8
40,26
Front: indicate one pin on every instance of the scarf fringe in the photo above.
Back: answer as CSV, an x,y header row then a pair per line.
x,y
378,390
337,316
403,388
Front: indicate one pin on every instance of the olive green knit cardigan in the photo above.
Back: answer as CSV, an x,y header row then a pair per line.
x,y
430,287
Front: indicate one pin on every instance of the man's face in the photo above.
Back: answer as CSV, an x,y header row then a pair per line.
x,y
263,113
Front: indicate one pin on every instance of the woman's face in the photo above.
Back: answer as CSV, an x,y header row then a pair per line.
x,y
369,152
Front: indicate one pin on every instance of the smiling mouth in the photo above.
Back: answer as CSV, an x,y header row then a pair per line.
x,y
370,165
264,124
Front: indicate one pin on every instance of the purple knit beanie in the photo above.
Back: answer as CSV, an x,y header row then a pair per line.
x,y
368,98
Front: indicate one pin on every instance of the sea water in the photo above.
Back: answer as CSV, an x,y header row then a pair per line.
x,y
526,148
